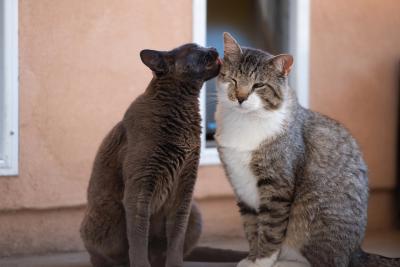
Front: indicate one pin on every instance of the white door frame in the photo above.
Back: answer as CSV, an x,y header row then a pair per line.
x,y
299,36
9,154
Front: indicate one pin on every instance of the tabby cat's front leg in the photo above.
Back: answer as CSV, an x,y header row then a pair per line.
x,y
273,218
250,224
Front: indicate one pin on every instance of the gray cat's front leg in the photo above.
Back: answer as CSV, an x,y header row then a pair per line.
x,y
177,219
137,209
176,229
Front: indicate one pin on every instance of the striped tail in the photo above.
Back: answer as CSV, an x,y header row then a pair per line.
x,y
364,259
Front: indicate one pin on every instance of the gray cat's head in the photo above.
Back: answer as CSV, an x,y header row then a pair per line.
x,y
187,62
252,80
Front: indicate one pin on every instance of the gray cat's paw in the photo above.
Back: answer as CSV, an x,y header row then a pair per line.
x,y
246,263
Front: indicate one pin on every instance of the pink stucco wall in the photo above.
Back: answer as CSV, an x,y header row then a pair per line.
x,y
355,56
79,70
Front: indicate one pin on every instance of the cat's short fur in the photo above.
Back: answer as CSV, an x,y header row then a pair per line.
x,y
140,210
299,176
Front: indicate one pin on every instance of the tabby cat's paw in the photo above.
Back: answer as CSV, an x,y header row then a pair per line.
x,y
267,261
291,264
246,263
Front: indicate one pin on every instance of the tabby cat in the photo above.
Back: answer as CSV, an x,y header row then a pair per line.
x,y
299,176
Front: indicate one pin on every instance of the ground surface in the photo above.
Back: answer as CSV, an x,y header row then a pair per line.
x,y
384,243
77,259
222,229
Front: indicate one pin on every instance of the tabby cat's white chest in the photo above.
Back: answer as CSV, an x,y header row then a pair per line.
x,y
238,136
240,175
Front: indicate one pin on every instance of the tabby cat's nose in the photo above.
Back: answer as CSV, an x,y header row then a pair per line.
x,y
241,100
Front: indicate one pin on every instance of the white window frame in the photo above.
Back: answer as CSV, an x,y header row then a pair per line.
x,y
9,154
299,45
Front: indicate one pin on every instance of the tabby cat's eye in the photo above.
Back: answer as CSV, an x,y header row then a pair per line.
x,y
258,85
234,82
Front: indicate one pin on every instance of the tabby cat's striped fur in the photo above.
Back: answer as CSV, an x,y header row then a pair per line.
x,y
299,176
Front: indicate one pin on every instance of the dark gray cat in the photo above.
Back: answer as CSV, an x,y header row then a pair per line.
x,y
140,210
299,176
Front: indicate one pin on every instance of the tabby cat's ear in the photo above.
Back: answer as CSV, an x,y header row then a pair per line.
x,y
154,60
232,50
283,63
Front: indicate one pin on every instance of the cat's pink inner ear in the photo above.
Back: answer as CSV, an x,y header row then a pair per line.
x,y
232,49
283,63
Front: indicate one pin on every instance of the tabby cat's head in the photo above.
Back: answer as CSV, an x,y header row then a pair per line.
x,y
252,80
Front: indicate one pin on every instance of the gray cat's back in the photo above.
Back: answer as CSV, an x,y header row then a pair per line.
x,y
106,179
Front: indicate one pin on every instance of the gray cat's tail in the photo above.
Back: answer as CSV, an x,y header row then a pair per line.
x,y
206,254
364,259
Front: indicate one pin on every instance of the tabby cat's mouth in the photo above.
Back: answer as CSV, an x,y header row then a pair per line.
x,y
243,109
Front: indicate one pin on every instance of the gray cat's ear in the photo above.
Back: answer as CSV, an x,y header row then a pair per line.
x,y
154,60
283,63
232,50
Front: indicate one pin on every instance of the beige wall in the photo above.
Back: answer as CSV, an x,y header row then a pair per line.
x,y
79,70
355,55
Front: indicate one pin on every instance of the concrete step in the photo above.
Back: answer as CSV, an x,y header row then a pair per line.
x,y
383,243
76,259
57,230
